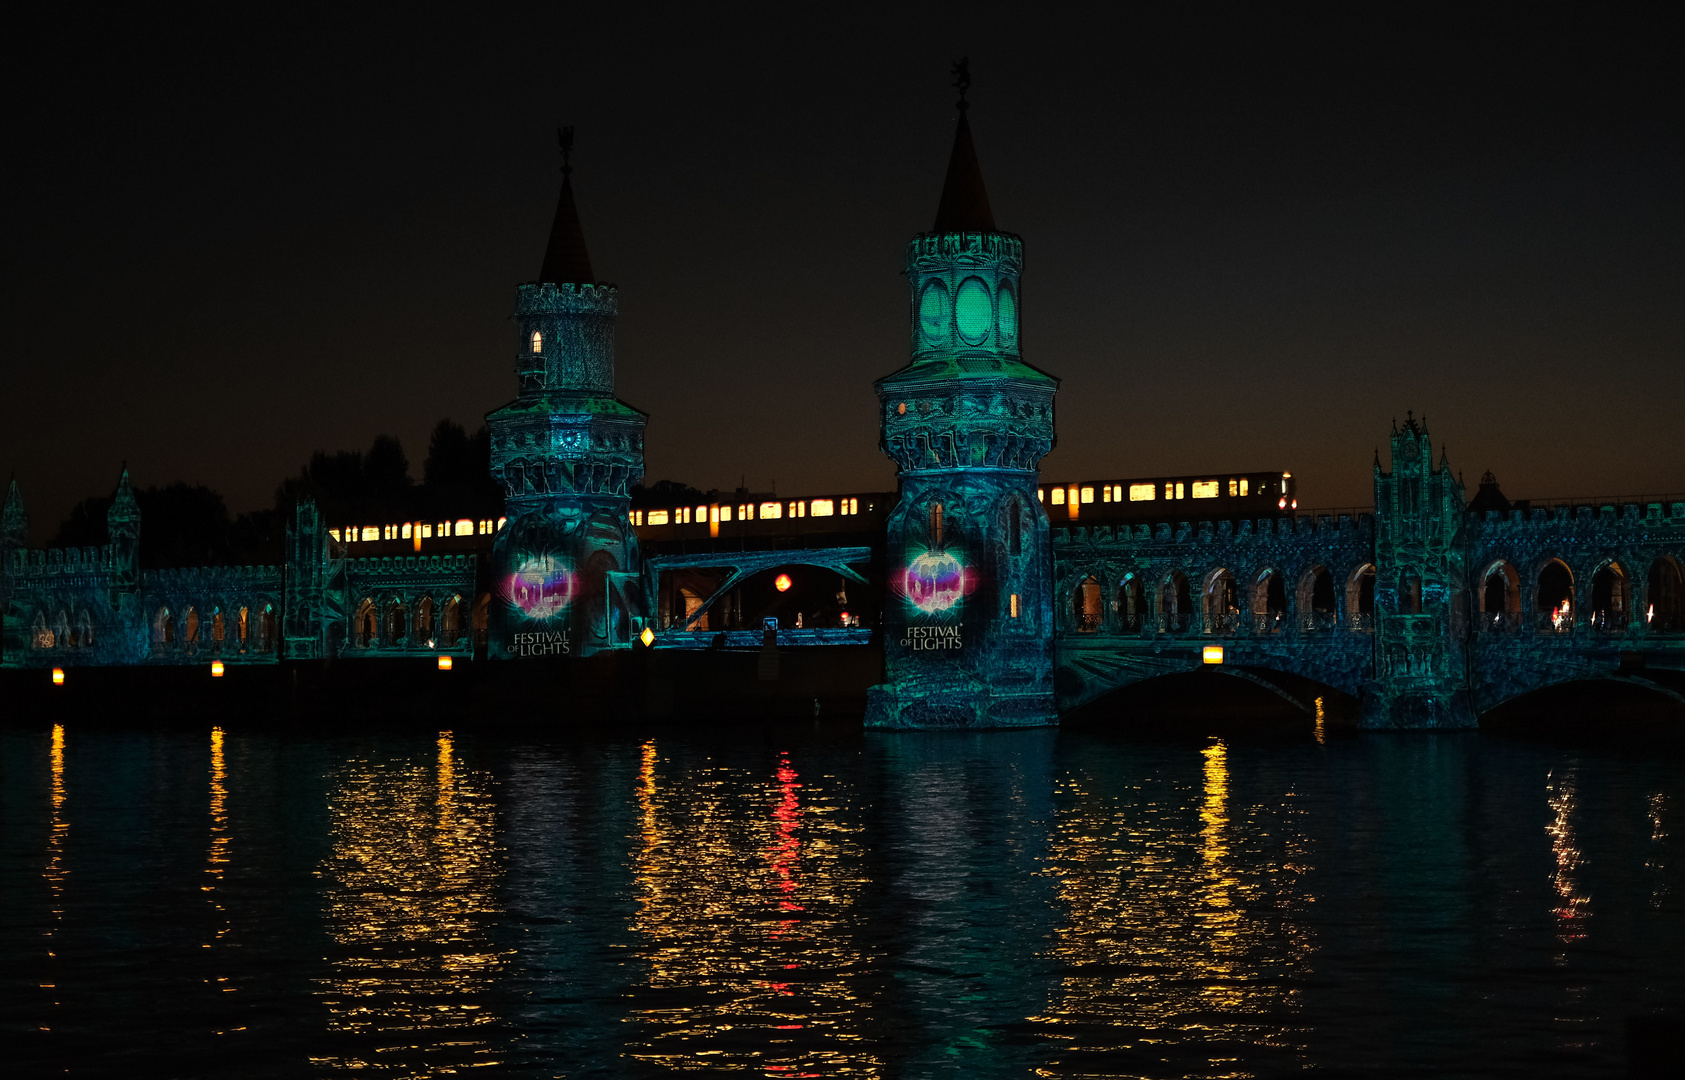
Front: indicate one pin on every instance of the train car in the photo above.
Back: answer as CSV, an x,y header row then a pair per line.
x,y
1172,498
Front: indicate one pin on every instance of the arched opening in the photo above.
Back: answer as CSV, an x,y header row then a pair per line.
x,y
190,630
364,631
1318,611
1360,599
1269,603
1222,602
268,637
1500,599
1554,600
163,628
1611,599
423,630
1132,604
85,630
1664,598
936,526
39,633
244,628
1014,526
450,625
1087,605
219,629
1175,604
63,638
397,626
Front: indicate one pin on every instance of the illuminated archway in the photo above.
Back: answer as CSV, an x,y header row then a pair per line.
x,y
364,626
1086,605
1611,598
1664,598
1269,602
1221,602
1360,599
1132,604
1317,606
1175,603
1553,597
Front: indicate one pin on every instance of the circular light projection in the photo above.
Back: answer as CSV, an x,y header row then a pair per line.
x,y
933,313
782,583
973,311
935,581
1008,313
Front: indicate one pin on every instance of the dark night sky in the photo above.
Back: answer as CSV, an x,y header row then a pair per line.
x,y
1249,244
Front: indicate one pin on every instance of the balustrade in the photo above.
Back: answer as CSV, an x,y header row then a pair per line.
x,y
1317,622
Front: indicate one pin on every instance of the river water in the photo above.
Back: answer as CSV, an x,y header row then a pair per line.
x,y
829,903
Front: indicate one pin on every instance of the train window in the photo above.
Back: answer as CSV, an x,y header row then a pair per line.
x,y
1041,494
658,517
725,513
1179,492
1088,494
824,507
1143,492
1058,496
1106,493
1243,485
1169,490
771,510
1205,489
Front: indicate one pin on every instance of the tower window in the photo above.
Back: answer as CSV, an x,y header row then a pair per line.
x,y
537,342
936,525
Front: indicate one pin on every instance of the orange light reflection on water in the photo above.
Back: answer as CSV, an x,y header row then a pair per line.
x,y
412,876
1162,931
744,888
1573,907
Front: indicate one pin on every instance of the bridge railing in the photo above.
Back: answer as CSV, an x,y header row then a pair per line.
x,y
1269,622
1226,624
1175,622
1317,622
1362,622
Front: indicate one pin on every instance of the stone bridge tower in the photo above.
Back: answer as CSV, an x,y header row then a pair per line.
x,y
566,451
968,626
1421,677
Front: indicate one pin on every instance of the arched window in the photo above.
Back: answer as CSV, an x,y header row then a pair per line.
x,y
1222,602
85,629
1664,598
1132,604
1269,603
1014,527
1554,598
163,627
1611,599
1499,593
396,624
1087,604
1360,599
537,342
62,637
1316,600
423,632
39,634
244,628
936,526
1175,603
219,627
268,640
451,624
364,628
191,629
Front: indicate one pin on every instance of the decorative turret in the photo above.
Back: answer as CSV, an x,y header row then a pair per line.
x,y
567,453
967,422
122,525
14,522
1421,600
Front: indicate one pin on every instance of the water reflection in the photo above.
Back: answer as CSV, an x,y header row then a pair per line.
x,y
1573,906
745,885
1178,956
411,880
58,831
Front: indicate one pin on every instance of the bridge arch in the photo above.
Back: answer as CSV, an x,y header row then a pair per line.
x,y
1317,605
1611,597
1553,595
1221,598
1664,597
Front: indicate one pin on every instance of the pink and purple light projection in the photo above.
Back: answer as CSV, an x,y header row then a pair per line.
x,y
542,587
935,582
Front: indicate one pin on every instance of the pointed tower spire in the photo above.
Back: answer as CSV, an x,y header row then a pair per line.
x,y
122,520
565,257
965,203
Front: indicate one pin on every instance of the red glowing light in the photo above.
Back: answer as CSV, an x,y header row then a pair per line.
x,y
782,582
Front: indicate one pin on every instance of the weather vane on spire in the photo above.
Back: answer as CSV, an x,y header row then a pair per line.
x,y
564,139
962,79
